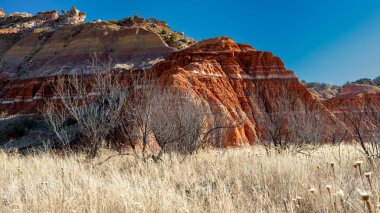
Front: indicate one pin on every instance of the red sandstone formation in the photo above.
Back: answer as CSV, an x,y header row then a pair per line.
x,y
225,75
356,106
354,95
348,95
221,72
324,91
351,90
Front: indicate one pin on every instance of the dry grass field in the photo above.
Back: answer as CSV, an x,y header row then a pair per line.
x,y
233,180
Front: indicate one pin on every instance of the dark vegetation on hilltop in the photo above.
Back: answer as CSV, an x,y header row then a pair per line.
x,y
367,81
318,85
172,38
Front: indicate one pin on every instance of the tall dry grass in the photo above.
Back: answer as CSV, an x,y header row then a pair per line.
x,y
233,180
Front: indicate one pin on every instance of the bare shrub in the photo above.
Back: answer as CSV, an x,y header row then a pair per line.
x,y
93,102
183,123
271,114
363,119
287,120
174,120
307,127
60,122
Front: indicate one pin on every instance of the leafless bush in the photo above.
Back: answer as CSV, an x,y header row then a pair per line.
x,y
363,121
176,121
286,119
183,123
307,127
92,102
60,122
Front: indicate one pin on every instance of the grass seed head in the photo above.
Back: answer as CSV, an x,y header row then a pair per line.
x,y
328,187
368,174
340,193
364,196
358,163
312,190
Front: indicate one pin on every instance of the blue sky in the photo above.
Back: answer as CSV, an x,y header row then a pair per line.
x,y
331,41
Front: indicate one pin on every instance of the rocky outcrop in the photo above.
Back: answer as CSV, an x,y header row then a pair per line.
x,y
22,30
32,54
357,105
73,16
50,15
26,22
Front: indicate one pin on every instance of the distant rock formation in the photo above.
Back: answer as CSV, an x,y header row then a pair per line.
x,y
322,91
325,91
357,89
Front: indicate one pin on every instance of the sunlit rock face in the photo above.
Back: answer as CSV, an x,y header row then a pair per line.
x,y
225,75
49,43
35,49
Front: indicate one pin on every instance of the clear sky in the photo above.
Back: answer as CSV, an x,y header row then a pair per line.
x,y
331,41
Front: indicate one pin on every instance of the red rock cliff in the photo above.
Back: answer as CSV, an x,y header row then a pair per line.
x,y
225,75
